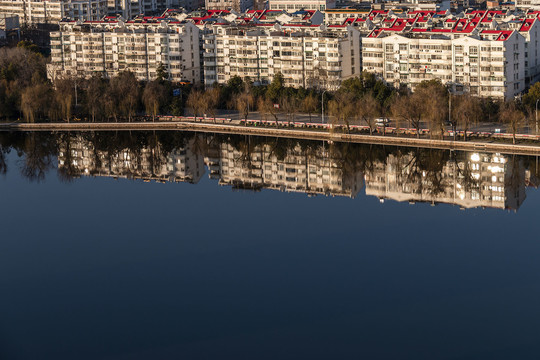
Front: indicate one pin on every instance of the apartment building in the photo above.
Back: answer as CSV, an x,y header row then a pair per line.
x,y
237,5
469,181
79,157
107,47
491,64
51,12
527,4
530,30
294,5
306,56
316,173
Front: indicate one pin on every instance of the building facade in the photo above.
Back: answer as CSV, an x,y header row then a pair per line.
x,y
295,5
306,57
106,48
237,5
492,65
51,12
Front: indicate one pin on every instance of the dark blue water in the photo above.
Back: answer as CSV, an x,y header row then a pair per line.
x,y
98,268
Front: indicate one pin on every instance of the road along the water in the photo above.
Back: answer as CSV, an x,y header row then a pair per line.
x,y
312,134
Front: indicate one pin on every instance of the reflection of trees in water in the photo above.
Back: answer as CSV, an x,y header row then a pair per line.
x,y
358,157
517,176
464,172
421,169
67,171
3,162
39,151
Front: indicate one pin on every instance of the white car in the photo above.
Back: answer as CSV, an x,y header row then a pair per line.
x,y
382,121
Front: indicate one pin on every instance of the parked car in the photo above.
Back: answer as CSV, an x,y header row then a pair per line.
x,y
382,121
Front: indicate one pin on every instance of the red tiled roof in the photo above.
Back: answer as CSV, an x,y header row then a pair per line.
x,y
526,26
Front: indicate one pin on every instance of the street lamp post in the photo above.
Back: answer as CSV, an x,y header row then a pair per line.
x,y
450,110
536,115
322,102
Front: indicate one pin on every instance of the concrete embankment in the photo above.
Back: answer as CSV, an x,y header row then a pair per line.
x,y
225,128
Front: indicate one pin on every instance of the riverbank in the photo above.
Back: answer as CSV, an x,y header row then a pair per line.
x,y
226,127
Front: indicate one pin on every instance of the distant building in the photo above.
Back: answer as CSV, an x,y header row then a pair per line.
x,y
294,5
237,5
51,12
528,4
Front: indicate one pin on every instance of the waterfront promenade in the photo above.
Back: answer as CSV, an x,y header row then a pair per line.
x,y
226,126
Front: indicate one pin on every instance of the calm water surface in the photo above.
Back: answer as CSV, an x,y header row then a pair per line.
x,y
183,246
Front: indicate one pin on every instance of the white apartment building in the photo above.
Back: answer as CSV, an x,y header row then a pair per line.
x,y
305,56
491,64
237,5
294,5
85,49
129,9
473,180
51,12
528,4
530,30
315,174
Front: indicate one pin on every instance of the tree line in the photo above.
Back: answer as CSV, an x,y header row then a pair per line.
x,y
27,94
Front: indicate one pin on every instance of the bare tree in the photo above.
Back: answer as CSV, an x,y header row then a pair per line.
x,y
289,105
410,109
195,103
266,107
310,104
434,105
211,98
244,102
111,105
63,96
342,109
465,113
125,88
512,117
95,87
153,96
368,109
35,101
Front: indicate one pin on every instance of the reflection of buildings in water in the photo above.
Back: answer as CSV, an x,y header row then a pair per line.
x,y
300,170
466,179
474,180
146,163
